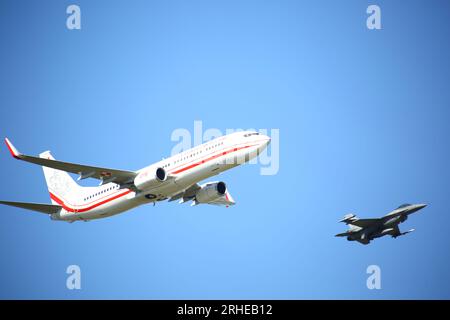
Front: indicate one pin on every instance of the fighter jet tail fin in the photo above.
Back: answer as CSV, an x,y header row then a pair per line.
x,y
349,218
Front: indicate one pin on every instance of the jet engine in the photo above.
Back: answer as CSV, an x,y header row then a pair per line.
x,y
210,192
150,177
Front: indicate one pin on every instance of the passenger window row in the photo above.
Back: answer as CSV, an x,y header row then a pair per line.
x,y
101,192
186,157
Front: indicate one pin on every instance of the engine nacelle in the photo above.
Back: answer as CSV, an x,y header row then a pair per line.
x,y
210,192
150,177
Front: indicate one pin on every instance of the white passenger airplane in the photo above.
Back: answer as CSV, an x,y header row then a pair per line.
x,y
174,178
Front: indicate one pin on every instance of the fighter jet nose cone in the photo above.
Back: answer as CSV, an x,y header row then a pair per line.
x,y
417,207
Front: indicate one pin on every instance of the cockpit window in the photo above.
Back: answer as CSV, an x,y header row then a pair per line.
x,y
404,205
251,134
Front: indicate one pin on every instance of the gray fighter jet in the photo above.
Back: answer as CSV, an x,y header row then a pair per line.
x,y
365,230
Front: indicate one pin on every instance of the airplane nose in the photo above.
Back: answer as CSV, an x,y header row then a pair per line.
x,y
266,140
416,207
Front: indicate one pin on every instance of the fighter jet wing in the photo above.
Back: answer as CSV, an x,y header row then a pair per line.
x,y
396,232
392,215
364,223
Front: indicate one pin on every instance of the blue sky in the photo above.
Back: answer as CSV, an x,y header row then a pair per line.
x,y
363,118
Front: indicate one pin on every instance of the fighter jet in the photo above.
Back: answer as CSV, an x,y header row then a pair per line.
x,y
365,230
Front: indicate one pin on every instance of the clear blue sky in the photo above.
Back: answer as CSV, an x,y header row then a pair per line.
x,y
364,127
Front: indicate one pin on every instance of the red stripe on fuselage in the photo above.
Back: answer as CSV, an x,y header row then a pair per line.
x,y
222,153
248,143
70,209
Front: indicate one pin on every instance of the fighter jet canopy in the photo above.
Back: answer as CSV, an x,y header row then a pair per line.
x,y
404,205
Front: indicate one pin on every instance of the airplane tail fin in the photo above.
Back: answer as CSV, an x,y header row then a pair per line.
x,y
349,218
60,184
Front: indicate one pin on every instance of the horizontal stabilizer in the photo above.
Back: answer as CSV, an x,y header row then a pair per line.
x,y
39,207
348,218
345,234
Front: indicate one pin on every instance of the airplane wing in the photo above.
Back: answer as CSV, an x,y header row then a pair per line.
x,y
187,194
40,207
392,215
364,223
396,232
106,175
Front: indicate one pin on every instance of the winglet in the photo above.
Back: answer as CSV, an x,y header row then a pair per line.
x,y
16,154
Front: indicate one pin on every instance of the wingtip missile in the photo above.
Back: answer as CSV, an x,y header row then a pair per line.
x,y
409,231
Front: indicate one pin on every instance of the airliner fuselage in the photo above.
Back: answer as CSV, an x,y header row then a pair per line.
x,y
173,178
